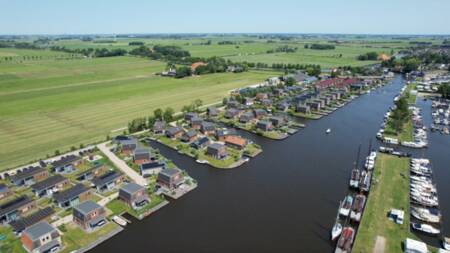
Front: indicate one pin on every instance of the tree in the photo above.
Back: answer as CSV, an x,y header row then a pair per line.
x,y
197,104
290,81
168,114
183,72
224,101
158,114
444,90
151,121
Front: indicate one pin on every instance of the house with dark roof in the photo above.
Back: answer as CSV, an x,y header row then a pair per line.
x,y
92,172
41,238
29,176
196,122
174,132
190,115
4,191
266,102
283,106
208,128
217,151
89,215
222,133
170,178
233,104
232,113
66,164
246,117
260,113
158,127
28,221
314,105
14,209
278,121
151,168
264,125
108,181
72,196
128,146
212,111
303,108
141,155
189,136
134,195
200,143
47,187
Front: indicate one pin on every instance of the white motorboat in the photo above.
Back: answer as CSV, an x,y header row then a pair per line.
x,y
122,222
328,131
425,228
344,210
431,215
446,243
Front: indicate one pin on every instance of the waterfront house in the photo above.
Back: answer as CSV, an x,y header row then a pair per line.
x,y
128,146
134,195
278,121
92,172
190,115
29,176
235,141
189,136
158,127
222,133
195,65
260,113
47,187
337,95
151,168
196,123
66,164
246,117
89,215
200,143
72,196
264,125
321,101
274,81
108,181
41,238
303,108
141,155
212,111
313,105
4,191
174,132
208,128
170,178
232,113
15,208
217,151
279,92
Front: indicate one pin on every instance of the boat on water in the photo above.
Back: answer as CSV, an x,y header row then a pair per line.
x,y
358,207
425,228
344,244
328,131
364,183
446,243
354,178
431,215
337,228
202,161
344,210
122,222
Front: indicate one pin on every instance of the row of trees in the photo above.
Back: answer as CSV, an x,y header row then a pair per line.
x,y
400,115
320,46
283,49
369,56
143,123
406,64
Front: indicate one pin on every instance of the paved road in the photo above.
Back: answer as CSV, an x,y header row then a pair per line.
x,y
138,179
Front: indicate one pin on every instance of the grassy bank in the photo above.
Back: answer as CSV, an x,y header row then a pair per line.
x,y
389,190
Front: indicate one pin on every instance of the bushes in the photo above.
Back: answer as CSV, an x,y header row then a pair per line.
x,y
321,47
370,56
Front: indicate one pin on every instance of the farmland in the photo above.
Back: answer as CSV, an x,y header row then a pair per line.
x,y
48,105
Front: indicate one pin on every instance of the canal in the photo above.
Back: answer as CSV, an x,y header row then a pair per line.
x,y
284,200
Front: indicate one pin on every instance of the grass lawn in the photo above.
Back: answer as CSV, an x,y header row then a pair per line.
x,y
50,105
389,190
11,243
118,207
411,98
407,133
75,238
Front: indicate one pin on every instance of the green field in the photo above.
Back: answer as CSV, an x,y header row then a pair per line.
x,y
390,190
49,105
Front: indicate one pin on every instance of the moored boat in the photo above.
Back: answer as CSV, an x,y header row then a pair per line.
x,y
364,183
344,244
446,243
354,178
337,228
425,228
358,207
344,210
431,215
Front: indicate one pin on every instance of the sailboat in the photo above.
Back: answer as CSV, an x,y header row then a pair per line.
x,y
328,131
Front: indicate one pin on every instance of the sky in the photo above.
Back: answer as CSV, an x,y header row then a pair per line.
x,y
220,16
